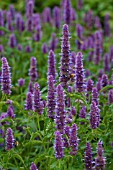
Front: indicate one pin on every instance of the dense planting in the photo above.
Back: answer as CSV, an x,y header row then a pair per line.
x,y
56,97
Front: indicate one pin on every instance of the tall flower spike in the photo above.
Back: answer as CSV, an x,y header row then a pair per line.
x,y
12,41
79,4
104,80
30,87
33,166
88,157
9,21
38,106
95,95
53,42
58,145
82,113
56,17
47,15
72,66
29,8
73,140
106,25
65,57
1,22
59,111
73,14
51,97
44,48
5,77
29,24
79,31
28,103
66,139
9,139
97,47
33,70
99,160
110,96
89,87
37,35
10,112
94,115
51,64
67,12
79,74
99,84
111,54
106,63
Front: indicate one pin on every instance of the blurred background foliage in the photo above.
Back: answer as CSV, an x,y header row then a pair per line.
x,y
99,7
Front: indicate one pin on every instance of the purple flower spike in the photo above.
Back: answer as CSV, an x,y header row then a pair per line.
x,y
67,12
19,47
66,139
33,166
1,48
12,41
44,48
29,24
73,140
38,33
111,54
29,8
27,49
28,103
51,64
94,115
99,160
9,21
10,112
56,17
33,70
65,57
89,87
73,14
9,139
88,157
12,10
97,23
1,22
82,114
100,73
38,106
5,77
51,97
53,42
79,4
72,66
79,82
20,25
79,31
30,87
73,111
110,96
97,47
59,111
106,25
21,82
47,15
99,84
106,62
95,95
104,80
58,145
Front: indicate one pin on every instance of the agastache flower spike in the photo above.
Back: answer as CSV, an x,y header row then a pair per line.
x,y
95,95
51,64
12,41
33,166
58,145
10,112
110,96
89,87
67,12
111,54
73,140
79,73
104,80
66,139
29,8
38,105
21,82
44,48
79,31
47,15
1,22
30,87
79,4
106,25
51,97
9,21
88,157
9,139
59,111
29,24
56,17
28,103
5,77
82,114
12,10
53,42
106,62
37,35
73,14
99,84
33,70
72,66
99,160
65,57
97,47
27,49
94,115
